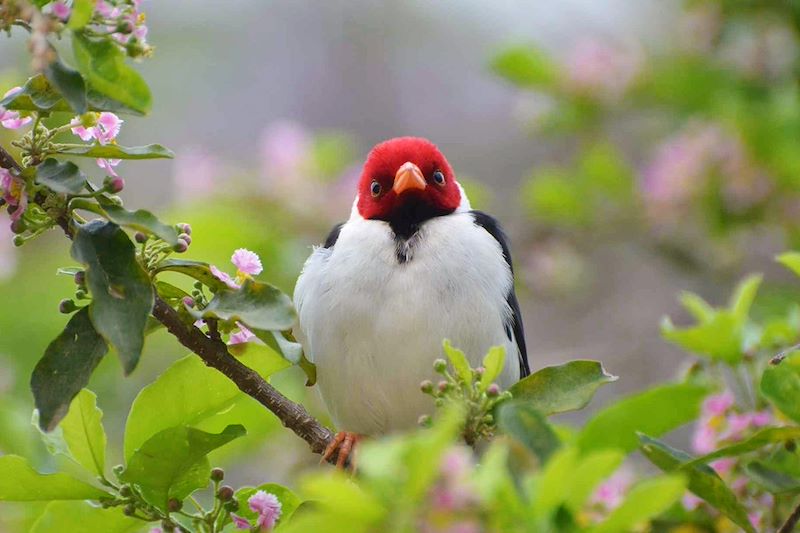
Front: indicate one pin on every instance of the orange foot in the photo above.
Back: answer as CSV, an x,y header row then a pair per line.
x,y
343,446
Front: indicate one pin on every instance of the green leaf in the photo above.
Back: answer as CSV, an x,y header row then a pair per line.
x,y
194,269
697,307
21,483
169,291
771,479
764,437
289,501
81,14
140,220
115,151
84,434
492,365
702,480
292,351
172,399
525,66
654,412
790,260
173,463
69,83
744,296
258,305
459,361
39,95
65,368
83,517
523,422
780,384
122,295
567,387
64,177
645,501
103,66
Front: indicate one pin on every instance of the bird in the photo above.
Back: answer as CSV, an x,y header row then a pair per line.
x,y
413,265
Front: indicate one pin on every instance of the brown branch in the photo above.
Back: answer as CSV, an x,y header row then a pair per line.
x,y
791,522
215,354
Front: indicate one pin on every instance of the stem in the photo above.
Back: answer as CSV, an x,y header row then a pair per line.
x,y
215,354
791,522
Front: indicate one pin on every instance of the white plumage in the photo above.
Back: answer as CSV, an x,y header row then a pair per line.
x,y
374,324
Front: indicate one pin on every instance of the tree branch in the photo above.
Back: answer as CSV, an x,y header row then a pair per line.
x,y
215,354
791,522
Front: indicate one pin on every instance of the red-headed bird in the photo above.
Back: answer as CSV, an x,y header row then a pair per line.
x,y
413,265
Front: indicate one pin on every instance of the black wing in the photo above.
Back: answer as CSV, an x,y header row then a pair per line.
x,y
333,236
514,328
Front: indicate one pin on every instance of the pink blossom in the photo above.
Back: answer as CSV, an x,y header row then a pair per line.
x,y
108,165
704,439
690,501
12,119
268,508
594,68
85,134
223,277
755,519
13,192
246,262
242,336
611,492
240,522
106,10
723,466
60,10
285,146
105,129
718,404
456,463
761,419
737,424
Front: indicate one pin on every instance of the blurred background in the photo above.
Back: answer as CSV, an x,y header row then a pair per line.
x,y
632,149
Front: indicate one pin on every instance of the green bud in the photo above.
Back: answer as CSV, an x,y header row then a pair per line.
x,y
140,237
443,386
225,493
80,294
426,386
19,240
80,278
118,470
125,491
440,365
790,445
129,509
232,506
493,391
439,402
174,505
18,226
66,306
424,421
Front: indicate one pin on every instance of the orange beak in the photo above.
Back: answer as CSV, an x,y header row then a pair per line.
x,y
408,177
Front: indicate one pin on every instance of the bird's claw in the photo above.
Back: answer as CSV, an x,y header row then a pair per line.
x,y
342,446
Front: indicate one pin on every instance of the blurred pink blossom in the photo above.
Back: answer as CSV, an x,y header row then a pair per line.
x,y
194,174
596,69
242,336
723,466
11,119
108,165
285,146
718,404
690,501
611,493
268,508
704,439
454,491
240,522
60,10
13,192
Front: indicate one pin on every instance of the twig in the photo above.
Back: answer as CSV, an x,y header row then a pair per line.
x,y
791,522
215,354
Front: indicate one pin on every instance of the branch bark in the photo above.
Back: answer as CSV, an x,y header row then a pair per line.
x,y
791,522
216,355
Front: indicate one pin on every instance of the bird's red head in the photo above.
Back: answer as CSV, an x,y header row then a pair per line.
x,y
407,179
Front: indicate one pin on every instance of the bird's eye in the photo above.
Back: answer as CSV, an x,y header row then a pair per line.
x,y
438,177
375,188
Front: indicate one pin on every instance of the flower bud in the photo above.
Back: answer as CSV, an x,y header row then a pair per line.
x,y
790,445
118,469
443,386
232,506
174,505
479,371
424,421
225,493
183,227
140,237
188,301
217,474
19,240
125,491
493,390
18,226
426,386
115,185
185,237
440,365
129,509
80,278
80,294
182,246
439,402
66,306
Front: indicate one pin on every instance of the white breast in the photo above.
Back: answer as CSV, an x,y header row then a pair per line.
x,y
374,326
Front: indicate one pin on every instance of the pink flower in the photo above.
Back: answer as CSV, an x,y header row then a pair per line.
x,y
105,129
595,69
223,277
690,501
11,119
718,404
761,419
60,10
737,424
242,336
268,508
240,522
611,492
285,145
194,173
723,466
13,192
108,165
704,439
247,262
456,463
